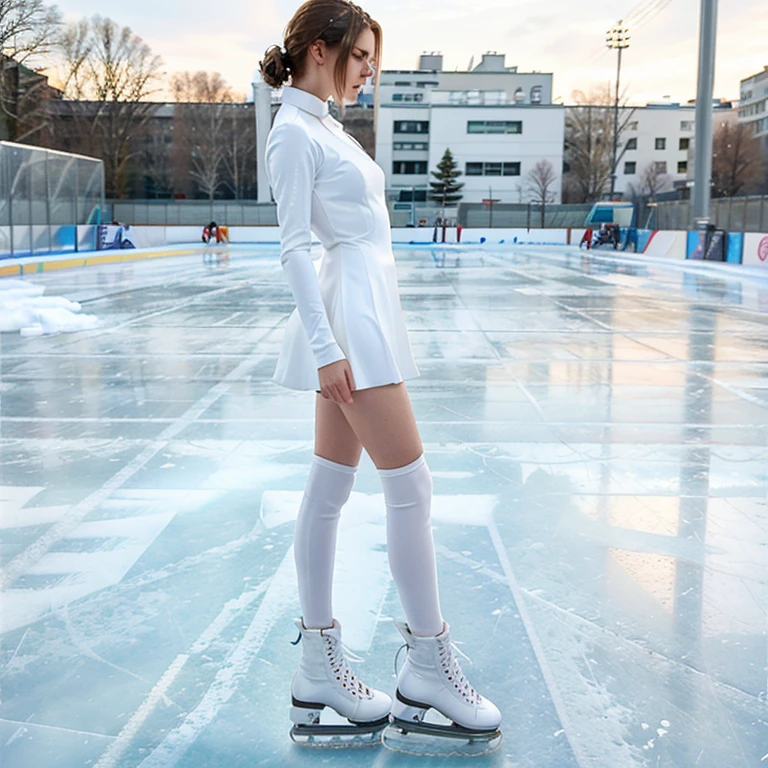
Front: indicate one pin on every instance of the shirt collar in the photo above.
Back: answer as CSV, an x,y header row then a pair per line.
x,y
306,101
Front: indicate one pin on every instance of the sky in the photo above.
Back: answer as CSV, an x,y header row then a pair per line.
x,y
565,37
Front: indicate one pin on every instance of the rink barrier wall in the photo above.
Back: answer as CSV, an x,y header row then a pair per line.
x,y
80,244
756,249
34,265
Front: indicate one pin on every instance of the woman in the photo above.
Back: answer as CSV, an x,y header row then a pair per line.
x,y
348,342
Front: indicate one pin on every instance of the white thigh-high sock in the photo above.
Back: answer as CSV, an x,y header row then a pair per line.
x,y
410,545
314,540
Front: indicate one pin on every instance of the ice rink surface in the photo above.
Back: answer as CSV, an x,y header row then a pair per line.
x,y
597,432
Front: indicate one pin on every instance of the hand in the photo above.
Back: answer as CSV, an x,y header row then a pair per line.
x,y
337,382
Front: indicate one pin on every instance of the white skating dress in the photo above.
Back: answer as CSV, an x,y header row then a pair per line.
x,y
348,306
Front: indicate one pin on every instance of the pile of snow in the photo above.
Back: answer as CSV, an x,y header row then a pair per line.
x,y
24,308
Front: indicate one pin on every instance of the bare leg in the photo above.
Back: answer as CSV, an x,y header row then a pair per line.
x,y
383,420
334,438
384,423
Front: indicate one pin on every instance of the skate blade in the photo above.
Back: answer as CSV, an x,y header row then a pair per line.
x,y
335,737
449,743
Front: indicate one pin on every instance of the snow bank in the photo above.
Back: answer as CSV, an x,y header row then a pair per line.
x,y
24,308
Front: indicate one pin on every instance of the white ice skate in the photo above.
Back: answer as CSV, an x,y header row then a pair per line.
x,y
436,711
324,681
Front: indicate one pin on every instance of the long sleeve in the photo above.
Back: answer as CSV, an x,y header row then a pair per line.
x,y
292,161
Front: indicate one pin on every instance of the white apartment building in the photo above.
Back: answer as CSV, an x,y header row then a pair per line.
x,y
656,145
753,105
655,142
497,122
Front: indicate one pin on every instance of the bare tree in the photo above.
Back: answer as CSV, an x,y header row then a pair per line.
x,y
589,128
28,33
203,131
539,181
737,162
653,179
116,71
158,161
241,150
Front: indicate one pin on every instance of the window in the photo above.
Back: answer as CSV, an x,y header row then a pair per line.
x,y
409,167
632,126
492,169
661,143
494,126
682,166
686,125
660,166
412,195
411,126
631,143
407,97
685,143
630,168
415,145
536,94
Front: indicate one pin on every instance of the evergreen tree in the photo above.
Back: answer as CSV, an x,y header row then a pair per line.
x,y
446,190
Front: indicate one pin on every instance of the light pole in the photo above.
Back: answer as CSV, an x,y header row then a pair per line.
x,y
262,107
617,38
703,134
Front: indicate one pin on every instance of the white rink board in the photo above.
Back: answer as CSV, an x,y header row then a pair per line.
x,y
668,245
755,249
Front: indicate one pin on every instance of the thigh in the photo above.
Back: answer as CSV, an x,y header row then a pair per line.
x,y
383,420
335,440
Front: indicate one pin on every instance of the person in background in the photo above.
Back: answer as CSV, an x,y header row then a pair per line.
x,y
213,233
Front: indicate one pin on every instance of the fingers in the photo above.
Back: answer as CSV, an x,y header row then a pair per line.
x,y
350,379
337,383
342,395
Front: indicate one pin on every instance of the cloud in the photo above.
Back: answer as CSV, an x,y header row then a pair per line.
x,y
564,37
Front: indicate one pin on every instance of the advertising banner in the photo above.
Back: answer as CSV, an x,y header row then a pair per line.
x,y
756,249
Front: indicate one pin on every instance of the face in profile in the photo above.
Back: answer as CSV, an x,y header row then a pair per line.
x,y
359,66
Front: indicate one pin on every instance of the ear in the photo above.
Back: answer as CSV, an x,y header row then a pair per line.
x,y
319,52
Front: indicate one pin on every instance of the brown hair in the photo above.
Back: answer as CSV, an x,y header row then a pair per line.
x,y
337,22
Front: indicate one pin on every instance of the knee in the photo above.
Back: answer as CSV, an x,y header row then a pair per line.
x,y
410,484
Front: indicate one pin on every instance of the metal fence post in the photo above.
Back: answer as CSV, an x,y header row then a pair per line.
x,y
31,207
6,152
48,200
761,226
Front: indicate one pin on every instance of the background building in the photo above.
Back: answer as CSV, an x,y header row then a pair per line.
x,y
497,122
655,146
753,106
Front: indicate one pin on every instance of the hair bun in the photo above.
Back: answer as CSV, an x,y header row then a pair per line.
x,y
275,67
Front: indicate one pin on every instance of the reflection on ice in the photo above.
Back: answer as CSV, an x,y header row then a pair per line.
x,y
597,432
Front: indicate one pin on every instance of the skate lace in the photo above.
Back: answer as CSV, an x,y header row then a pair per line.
x,y
343,672
453,671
